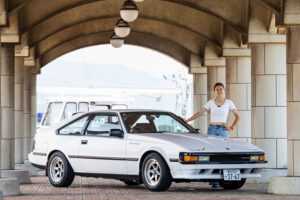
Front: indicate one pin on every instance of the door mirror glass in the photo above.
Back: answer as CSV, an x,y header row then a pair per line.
x,y
116,133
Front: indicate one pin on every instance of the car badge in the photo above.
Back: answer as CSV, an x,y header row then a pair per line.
x,y
227,148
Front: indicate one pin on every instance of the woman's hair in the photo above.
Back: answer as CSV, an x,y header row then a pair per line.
x,y
218,84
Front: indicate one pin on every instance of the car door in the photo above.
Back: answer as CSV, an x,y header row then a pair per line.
x,y
99,151
69,140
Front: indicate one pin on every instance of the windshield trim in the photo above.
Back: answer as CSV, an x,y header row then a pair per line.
x,y
182,122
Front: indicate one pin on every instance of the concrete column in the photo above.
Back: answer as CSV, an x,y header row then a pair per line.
x,y
238,90
269,101
199,99
19,109
214,74
33,106
7,107
27,112
291,183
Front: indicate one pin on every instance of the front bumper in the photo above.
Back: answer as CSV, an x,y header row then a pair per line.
x,y
214,171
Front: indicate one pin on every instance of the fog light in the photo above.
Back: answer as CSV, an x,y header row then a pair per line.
x,y
190,158
262,157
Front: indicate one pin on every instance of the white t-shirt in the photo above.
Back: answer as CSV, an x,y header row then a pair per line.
x,y
219,114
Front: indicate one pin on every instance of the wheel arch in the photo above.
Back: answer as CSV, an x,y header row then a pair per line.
x,y
145,154
49,156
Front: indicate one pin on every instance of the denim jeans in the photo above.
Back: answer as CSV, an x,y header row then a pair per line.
x,y
219,131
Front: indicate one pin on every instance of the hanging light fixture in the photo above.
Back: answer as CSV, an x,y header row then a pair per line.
x,y
129,12
116,41
138,0
122,28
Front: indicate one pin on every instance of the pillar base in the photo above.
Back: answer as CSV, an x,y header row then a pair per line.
x,y
9,186
27,166
284,185
21,175
266,175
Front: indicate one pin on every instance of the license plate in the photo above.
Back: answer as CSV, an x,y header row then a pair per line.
x,y
232,174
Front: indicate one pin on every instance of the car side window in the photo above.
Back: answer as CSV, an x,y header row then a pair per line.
x,y
101,125
74,128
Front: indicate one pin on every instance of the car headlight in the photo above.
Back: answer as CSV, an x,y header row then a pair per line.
x,y
254,158
188,158
257,158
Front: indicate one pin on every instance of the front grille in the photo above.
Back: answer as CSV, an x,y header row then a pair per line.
x,y
229,158
222,158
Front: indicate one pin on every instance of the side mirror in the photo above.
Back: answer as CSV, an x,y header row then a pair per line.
x,y
198,130
116,133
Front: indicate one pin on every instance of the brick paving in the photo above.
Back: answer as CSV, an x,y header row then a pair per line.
x,y
108,189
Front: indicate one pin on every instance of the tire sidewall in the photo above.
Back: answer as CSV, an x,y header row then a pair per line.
x,y
66,168
163,168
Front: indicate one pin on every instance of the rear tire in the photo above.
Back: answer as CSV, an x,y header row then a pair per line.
x,y
155,173
131,183
59,170
232,185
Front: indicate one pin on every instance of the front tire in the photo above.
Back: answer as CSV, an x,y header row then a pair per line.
x,y
60,172
232,185
155,173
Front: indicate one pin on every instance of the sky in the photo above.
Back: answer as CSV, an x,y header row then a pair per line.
x,y
131,56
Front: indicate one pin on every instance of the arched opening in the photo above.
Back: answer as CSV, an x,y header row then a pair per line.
x,y
134,76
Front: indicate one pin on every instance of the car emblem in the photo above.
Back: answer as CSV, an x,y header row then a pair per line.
x,y
227,148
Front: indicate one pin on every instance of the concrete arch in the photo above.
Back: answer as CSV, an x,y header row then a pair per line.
x,y
153,42
175,34
209,27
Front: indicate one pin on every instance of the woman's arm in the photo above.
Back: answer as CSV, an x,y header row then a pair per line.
x,y
196,115
237,118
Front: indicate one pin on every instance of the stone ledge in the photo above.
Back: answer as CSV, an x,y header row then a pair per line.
x,y
284,185
27,166
9,186
21,175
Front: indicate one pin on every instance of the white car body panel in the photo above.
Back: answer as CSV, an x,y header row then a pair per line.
x,y
128,151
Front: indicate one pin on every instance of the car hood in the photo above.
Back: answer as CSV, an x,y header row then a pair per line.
x,y
200,142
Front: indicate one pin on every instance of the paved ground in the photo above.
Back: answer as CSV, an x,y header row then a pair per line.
x,y
107,189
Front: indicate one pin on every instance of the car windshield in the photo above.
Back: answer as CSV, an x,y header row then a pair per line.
x,y
155,122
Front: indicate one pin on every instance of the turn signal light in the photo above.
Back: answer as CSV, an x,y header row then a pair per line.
x,y
191,158
262,157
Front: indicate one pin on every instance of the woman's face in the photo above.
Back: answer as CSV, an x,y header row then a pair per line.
x,y
219,91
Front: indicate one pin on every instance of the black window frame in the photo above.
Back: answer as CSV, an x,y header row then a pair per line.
x,y
92,116
180,120
82,130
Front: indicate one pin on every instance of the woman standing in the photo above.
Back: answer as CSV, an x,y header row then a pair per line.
x,y
219,109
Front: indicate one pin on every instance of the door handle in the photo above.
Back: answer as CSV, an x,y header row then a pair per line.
x,y
84,141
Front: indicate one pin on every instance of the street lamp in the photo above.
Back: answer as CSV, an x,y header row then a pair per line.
x,y
122,28
129,12
116,41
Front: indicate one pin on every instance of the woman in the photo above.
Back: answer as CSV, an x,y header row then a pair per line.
x,y
219,108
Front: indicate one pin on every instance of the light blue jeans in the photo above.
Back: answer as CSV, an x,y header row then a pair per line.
x,y
219,131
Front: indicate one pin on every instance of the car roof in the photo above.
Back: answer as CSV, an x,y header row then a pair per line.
x,y
78,115
128,110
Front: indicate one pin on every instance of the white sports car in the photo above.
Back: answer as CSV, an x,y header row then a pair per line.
x,y
141,146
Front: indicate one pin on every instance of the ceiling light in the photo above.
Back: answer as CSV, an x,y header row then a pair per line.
x,y
129,12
